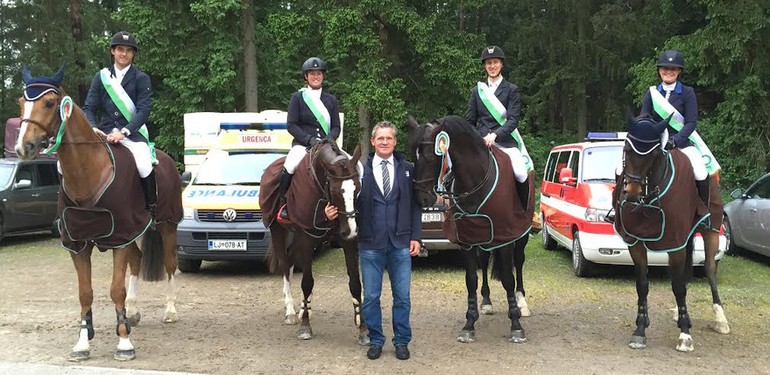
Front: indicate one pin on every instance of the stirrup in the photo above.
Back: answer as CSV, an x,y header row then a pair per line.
x,y
283,215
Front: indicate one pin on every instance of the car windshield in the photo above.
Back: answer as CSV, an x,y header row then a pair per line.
x,y
6,174
599,163
234,168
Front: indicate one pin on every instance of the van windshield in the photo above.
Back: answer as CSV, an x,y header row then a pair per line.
x,y
234,168
599,163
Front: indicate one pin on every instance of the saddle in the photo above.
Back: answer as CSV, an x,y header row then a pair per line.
x,y
117,215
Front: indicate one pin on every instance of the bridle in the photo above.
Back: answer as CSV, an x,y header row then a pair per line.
x,y
325,187
644,181
457,197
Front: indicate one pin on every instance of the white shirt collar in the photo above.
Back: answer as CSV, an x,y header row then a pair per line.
x,y
494,83
377,160
667,87
120,73
316,93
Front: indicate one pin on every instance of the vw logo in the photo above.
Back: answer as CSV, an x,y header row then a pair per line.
x,y
229,214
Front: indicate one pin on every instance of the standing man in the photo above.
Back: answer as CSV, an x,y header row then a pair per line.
x,y
390,229
118,103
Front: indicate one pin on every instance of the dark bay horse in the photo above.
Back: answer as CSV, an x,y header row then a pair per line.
x,y
325,175
658,209
486,218
101,204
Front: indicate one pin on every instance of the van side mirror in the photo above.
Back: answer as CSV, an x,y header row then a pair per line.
x,y
186,178
565,177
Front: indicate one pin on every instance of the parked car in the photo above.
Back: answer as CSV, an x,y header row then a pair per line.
x,y
747,218
28,196
433,238
575,198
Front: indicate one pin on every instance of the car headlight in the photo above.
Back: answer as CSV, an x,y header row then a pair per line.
x,y
188,213
596,214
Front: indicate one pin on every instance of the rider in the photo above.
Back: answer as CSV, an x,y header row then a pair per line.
x,y
502,98
670,66
313,115
119,103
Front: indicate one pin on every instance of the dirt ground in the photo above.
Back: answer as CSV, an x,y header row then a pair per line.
x,y
231,323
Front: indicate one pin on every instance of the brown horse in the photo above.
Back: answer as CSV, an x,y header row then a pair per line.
x,y
658,209
325,175
101,204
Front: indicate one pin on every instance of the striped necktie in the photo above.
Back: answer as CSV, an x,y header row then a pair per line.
x,y
385,179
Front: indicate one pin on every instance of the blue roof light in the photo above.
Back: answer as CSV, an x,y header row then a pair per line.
x,y
605,136
252,125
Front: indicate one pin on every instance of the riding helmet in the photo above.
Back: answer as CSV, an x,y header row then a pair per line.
x,y
672,59
313,63
124,38
492,51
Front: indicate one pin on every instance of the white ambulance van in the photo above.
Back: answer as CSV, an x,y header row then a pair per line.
x,y
225,156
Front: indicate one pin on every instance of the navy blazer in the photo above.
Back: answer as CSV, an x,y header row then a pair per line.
x,y
478,115
684,100
409,216
303,125
102,112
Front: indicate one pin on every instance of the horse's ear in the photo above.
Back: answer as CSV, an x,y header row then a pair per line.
x,y
59,76
26,76
356,154
630,120
412,122
662,125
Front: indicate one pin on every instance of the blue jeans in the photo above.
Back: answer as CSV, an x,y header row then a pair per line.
x,y
399,266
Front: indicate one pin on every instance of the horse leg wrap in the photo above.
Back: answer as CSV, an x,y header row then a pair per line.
x,y
122,319
513,309
357,313
305,309
684,322
473,310
642,318
89,320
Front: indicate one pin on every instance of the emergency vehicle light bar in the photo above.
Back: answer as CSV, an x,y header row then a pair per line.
x,y
605,136
252,125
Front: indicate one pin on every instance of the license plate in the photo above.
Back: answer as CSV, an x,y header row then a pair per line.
x,y
431,217
239,245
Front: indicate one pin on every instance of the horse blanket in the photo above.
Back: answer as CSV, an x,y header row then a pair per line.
x,y
118,217
666,221
303,199
500,220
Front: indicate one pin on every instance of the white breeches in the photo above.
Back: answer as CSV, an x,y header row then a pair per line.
x,y
698,166
141,152
294,157
517,162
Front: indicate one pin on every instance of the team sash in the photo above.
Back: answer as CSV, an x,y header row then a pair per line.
x,y
125,105
663,108
318,108
499,112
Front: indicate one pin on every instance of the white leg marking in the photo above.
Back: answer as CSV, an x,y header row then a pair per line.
x,y
290,317
685,343
131,293
348,196
82,344
124,343
721,320
170,315
522,303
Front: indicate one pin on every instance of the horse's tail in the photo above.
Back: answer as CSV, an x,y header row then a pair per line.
x,y
153,257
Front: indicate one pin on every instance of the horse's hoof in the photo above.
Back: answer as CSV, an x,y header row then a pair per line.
x,y
638,342
79,356
170,317
363,340
305,333
487,310
290,319
467,336
685,343
517,336
134,319
125,355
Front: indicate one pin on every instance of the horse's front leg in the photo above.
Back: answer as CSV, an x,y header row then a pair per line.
x,y
639,256
711,245
678,268
504,261
470,260
168,232
354,284
305,260
486,301
290,315
518,263
125,350
82,261
134,257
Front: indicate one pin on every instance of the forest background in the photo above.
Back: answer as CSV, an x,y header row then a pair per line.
x,y
578,63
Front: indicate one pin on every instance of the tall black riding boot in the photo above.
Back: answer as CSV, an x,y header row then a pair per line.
x,y
283,187
522,190
703,190
150,194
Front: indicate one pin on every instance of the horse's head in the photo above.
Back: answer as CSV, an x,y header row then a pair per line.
x,y
642,150
40,113
422,145
339,175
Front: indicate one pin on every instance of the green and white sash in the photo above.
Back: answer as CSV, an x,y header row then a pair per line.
x,y
318,108
125,105
499,112
663,108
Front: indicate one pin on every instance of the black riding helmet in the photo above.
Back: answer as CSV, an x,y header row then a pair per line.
x,y
671,59
124,38
313,63
492,51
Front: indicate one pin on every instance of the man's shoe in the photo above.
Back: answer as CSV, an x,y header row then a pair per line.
x,y
402,352
374,352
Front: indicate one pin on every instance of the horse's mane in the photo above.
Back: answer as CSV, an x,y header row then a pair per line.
x,y
458,128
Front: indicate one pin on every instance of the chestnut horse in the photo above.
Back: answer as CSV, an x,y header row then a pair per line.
x,y
101,204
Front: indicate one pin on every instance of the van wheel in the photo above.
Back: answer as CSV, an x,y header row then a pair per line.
x,y
189,265
580,265
2,225
548,242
